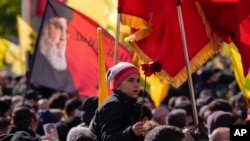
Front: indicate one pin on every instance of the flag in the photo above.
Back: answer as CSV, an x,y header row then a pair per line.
x,y
103,12
3,49
76,55
13,57
156,87
231,26
40,6
235,58
156,35
26,35
248,81
103,89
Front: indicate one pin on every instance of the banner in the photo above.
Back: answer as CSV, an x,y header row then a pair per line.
x,y
104,12
156,35
231,26
66,56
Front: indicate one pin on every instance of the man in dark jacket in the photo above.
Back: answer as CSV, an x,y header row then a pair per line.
x,y
25,124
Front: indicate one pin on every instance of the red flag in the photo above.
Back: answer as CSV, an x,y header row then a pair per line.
x,y
40,4
231,25
81,73
163,42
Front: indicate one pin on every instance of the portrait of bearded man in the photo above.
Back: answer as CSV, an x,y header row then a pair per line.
x,y
50,65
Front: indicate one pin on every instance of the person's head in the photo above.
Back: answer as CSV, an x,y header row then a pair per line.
x,y
159,114
23,117
220,134
219,119
79,133
181,99
220,104
54,35
88,108
58,100
71,106
177,117
43,104
5,108
163,132
125,77
4,125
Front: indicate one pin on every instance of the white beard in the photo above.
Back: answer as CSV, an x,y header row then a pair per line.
x,y
55,56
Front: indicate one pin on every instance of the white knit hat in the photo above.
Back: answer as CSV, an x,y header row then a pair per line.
x,y
116,74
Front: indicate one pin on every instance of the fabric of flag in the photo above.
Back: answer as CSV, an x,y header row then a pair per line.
x,y
156,87
26,35
103,87
103,12
248,81
3,49
235,58
13,57
81,55
156,35
231,25
40,6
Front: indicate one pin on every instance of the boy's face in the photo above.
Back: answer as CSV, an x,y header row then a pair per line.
x,y
131,86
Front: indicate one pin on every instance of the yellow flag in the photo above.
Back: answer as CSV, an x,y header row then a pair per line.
x,y
3,49
103,12
14,57
26,35
157,87
103,90
238,69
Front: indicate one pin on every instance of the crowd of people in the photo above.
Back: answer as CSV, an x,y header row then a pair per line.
x,y
33,113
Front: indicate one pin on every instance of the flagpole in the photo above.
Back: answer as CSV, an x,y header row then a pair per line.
x,y
117,36
25,14
184,45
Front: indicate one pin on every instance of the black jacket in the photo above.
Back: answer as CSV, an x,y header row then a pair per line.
x,y
19,135
113,121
